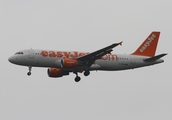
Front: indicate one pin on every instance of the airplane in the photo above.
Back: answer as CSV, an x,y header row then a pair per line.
x,y
62,63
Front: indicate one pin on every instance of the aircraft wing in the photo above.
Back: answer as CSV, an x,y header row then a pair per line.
x,y
90,58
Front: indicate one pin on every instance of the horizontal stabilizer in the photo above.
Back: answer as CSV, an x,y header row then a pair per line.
x,y
155,58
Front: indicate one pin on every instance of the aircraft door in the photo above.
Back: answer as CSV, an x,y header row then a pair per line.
x,y
31,54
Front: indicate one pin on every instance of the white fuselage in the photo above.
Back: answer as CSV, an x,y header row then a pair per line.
x,y
61,63
109,62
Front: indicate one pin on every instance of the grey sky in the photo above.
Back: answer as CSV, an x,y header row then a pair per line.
x,y
144,93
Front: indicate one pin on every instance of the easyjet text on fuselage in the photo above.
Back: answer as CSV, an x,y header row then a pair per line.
x,y
74,54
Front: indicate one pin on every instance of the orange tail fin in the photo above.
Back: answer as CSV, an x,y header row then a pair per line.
x,y
148,47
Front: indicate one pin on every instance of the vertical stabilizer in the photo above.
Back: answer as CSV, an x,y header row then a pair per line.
x,y
148,47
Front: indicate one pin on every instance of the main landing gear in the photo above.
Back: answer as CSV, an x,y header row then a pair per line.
x,y
86,73
29,73
77,78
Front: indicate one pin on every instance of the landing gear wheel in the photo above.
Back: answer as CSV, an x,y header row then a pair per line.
x,y
77,79
86,73
29,73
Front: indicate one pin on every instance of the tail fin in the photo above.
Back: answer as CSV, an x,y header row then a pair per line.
x,y
148,47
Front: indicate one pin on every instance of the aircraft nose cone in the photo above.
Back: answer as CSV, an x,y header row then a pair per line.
x,y
11,59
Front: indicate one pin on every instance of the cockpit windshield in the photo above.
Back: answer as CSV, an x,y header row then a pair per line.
x,y
18,53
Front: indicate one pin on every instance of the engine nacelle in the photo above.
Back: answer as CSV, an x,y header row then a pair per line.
x,y
69,63
55,72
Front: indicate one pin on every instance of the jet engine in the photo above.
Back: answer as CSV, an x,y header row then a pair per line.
x,y
69,63
55,72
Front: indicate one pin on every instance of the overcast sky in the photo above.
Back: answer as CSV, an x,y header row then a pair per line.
x,y
139,94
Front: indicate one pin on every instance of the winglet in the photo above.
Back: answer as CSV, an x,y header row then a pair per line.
x,y
120,43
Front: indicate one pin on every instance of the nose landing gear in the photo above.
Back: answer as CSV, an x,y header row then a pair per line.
x,y
29,73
